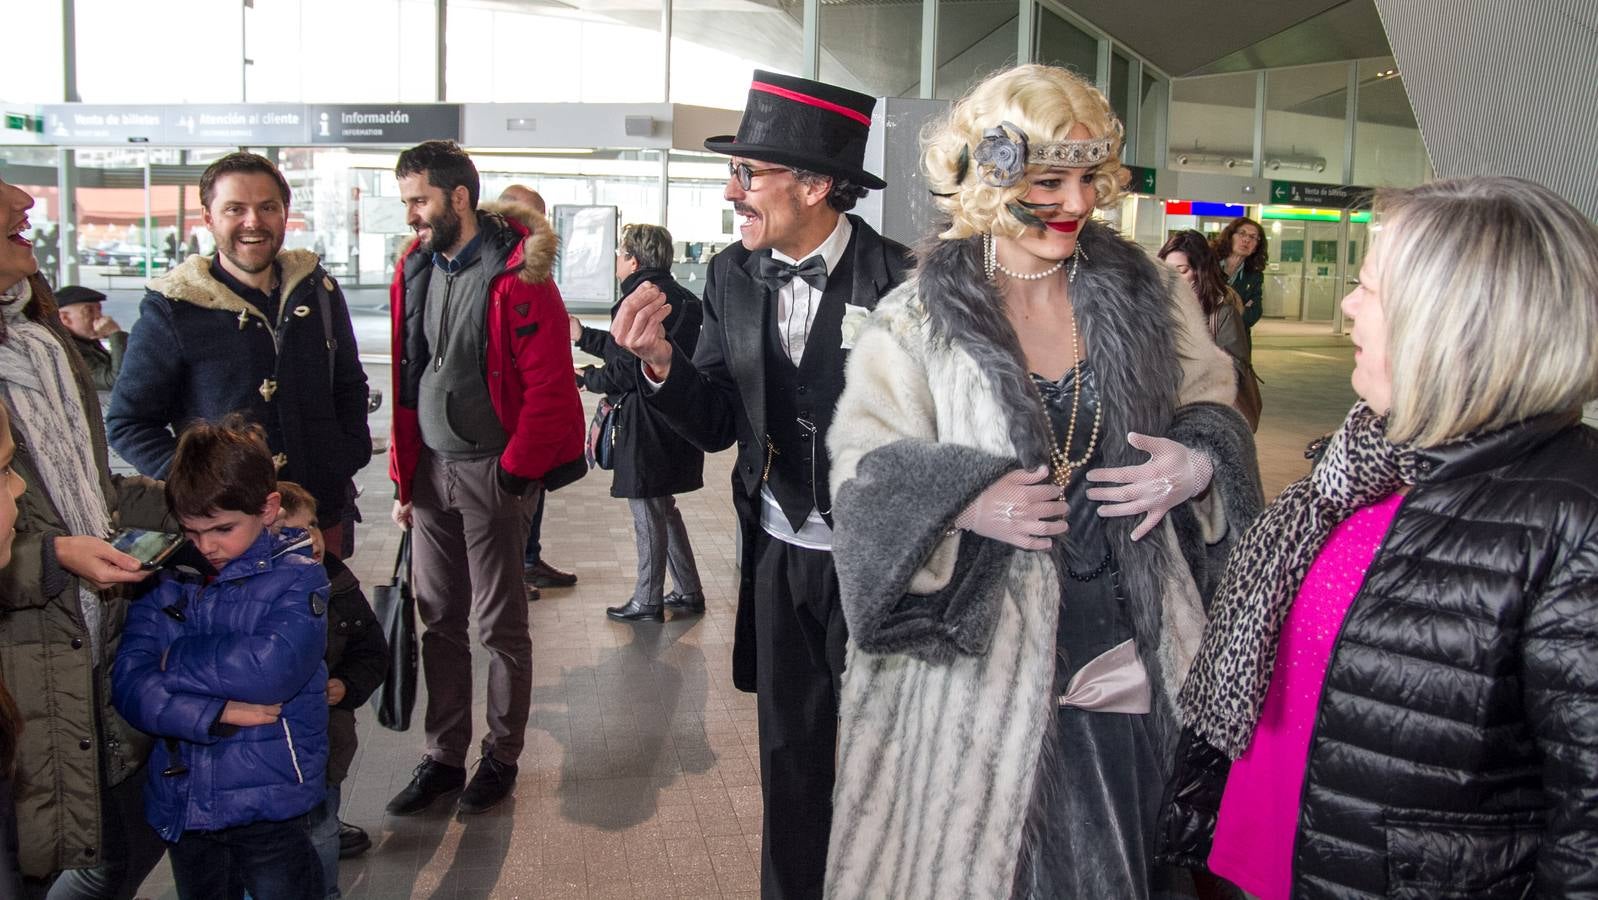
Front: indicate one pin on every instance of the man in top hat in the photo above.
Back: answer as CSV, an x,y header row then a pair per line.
x,y
80,313
766,374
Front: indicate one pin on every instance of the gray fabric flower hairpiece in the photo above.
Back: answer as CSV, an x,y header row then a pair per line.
x,y
1001,156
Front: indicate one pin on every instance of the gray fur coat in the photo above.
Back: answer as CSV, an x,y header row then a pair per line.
x,y
949,687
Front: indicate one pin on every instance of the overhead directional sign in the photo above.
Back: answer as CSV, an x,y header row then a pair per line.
x,y
371,123
1142,180
1338,196
233,124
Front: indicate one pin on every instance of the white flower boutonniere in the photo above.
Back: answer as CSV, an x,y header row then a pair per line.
x,y
854,319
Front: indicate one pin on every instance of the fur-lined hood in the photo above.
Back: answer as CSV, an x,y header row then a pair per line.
x,y
539,248
192,282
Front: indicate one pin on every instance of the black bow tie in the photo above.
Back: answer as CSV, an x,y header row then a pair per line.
x,y
812,271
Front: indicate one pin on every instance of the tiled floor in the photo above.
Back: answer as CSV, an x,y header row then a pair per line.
x,y
640,777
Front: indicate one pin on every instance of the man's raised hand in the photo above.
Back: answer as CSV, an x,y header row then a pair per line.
x,y
639,328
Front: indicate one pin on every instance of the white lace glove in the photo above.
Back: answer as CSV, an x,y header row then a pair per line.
x,y
1022,508
1173,475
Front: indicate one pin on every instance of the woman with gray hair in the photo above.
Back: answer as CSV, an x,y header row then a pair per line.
x,y
651,461
1407,641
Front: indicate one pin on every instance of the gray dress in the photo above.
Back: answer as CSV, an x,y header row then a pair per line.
x,y
1091,830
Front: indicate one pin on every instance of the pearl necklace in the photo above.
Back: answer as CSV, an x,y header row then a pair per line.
x,y
1035,276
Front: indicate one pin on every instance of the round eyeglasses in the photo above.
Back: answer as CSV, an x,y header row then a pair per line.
x,y
746,175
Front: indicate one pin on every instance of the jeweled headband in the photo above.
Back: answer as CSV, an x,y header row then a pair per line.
x,y
1003,154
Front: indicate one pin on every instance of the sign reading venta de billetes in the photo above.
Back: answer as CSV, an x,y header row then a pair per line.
x,y
237,124
1337,196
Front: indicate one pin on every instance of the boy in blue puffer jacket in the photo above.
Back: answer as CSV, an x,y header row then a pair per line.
x,y
227,671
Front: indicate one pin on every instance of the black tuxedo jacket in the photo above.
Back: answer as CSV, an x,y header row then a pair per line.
x,y
718,397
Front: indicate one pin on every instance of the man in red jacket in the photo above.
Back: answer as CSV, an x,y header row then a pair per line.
x,y
486,415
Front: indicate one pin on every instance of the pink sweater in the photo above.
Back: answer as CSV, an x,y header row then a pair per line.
x,y
1259,810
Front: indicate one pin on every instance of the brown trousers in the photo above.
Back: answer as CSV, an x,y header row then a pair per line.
x,y
466,557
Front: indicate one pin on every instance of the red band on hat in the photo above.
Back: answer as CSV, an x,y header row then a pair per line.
x,y
808,100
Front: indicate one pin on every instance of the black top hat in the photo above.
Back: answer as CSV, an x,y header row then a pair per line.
x,y
75,294
805,124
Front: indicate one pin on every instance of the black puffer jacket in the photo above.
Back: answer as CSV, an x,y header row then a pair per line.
x,y
651,458
1455,749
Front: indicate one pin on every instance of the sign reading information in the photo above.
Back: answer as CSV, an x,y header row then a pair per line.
x,y
1338,196
394,124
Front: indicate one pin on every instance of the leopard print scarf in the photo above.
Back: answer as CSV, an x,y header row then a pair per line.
x,y
1225,689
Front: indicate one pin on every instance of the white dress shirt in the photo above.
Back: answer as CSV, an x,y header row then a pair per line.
x,y
797,305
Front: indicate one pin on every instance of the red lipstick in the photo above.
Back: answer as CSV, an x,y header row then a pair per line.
x,y
1064,226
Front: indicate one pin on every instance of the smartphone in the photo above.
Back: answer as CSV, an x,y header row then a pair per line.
x,y
150,548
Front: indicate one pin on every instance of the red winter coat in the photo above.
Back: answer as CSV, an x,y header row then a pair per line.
x,y
528,360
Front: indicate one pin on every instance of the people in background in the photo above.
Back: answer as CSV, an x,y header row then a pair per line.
x,y
1190,255
536,571
652,462
98,338
1243,251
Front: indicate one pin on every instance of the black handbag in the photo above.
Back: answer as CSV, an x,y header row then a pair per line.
x,y
395,605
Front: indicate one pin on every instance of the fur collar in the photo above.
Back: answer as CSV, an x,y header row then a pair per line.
x,y
1128,316
192,282
540,246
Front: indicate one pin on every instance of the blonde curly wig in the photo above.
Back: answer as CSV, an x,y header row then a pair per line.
x,y
1043,101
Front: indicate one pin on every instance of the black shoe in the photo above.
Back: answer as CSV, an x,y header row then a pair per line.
x,y
431,780
633,611
542,574
691,603
533,593
352,840
491,783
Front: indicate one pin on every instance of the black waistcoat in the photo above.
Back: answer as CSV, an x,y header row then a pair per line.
x,y
805,393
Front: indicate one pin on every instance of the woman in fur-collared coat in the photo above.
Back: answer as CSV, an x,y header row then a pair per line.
x,y
1017,636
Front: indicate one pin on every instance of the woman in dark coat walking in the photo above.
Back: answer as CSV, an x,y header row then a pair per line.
x,y
1407,641
652,462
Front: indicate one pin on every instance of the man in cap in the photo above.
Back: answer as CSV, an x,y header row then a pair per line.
x,y
766,374
81,314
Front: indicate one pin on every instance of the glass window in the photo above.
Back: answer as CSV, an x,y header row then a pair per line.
x,y
974,40
1120,88
1151,119
873,48
1305,112
1059,43
1212,124
37,56
201,60
530,52
302,52
1388,150
715,48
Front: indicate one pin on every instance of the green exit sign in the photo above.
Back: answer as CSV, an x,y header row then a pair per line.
x,y
1142,180
21,122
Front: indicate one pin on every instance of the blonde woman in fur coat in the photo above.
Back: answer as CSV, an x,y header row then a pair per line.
x,y
1038,473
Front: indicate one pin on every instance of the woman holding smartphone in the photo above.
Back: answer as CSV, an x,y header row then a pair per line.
x,y
62,610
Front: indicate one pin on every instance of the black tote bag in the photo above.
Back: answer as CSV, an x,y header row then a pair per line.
x,y
395,605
